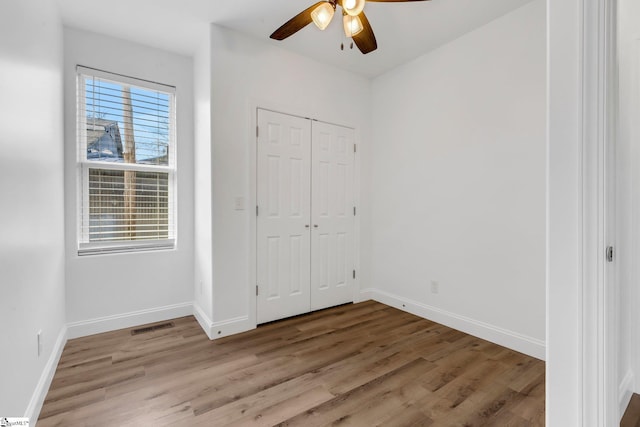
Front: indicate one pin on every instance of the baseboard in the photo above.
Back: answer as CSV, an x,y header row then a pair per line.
x,y
40,393
205,323
215,330
363,295
127,320
510,339
625,392
231,327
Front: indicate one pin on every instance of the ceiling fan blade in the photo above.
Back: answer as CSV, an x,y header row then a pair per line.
x,y
365,39
295,24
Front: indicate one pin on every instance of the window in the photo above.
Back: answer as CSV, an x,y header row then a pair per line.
x,y
126,163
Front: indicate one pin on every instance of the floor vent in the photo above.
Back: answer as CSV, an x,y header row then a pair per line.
x,y
152,328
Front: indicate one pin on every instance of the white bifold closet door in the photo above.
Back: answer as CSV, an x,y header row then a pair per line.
x,y
332,215
305,215
284,207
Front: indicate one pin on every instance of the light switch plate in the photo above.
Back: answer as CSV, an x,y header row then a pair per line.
x,y
239,203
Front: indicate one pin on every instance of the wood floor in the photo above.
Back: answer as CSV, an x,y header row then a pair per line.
x,y
631,416
355,365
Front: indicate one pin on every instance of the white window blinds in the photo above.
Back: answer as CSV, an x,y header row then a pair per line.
x,y
127,167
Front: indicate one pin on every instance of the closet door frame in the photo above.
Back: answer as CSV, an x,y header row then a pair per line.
x,y
253,107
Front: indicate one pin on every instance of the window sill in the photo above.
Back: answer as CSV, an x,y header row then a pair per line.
x,y
122,248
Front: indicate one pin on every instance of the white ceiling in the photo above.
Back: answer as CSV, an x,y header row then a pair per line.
x,y
403,30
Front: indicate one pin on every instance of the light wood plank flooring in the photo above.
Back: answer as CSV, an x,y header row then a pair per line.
x,y
355,365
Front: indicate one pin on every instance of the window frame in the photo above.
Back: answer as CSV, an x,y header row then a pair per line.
x,y
84,245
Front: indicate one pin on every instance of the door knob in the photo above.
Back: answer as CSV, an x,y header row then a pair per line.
x,y
315,225
306,226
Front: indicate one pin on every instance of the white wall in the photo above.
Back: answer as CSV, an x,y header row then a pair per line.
x,y
459,179
114,291
31,189
203,271
628,197
247,73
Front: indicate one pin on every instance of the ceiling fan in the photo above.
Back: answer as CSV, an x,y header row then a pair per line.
x,y
355,22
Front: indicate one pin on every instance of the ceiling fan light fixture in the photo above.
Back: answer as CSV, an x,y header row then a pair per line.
x,y
353,7
322,15
352,25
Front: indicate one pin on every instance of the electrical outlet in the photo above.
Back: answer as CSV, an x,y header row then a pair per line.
x,y
435,287
39,337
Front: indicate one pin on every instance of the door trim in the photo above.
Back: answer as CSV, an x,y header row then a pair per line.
x,y
599,283
580,358
634,380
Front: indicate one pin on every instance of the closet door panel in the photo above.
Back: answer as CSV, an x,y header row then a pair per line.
x,y
332,215
283,222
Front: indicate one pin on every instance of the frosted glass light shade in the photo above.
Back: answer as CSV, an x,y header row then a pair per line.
x,y
322,15
353,7
352,25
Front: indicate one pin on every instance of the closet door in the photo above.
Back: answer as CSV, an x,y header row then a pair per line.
x,y
283,226
332,215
